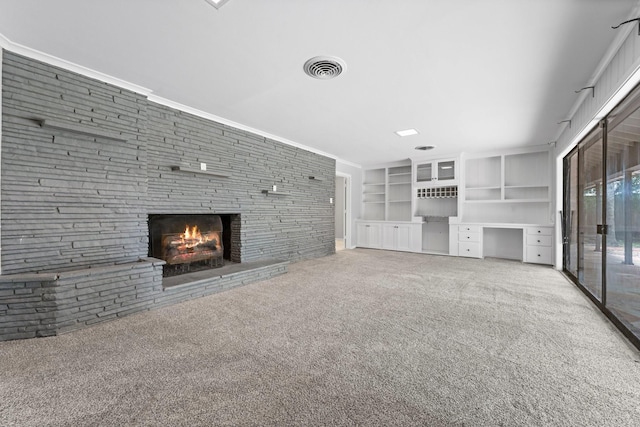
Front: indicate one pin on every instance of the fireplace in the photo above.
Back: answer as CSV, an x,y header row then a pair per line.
x,y
189,243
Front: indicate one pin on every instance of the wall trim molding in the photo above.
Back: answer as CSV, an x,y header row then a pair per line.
x,y
7,44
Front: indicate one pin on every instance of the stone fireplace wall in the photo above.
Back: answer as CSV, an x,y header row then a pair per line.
x,y
84,163
292,226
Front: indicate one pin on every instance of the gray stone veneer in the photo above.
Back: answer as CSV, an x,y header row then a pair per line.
x,y
83,165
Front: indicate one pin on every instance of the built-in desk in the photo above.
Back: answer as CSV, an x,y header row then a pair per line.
x,y
524,242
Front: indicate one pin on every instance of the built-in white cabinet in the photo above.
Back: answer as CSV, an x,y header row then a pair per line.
x,y
470,241
435,172
538,245
401,237
481,205
369,234
397,236
521,242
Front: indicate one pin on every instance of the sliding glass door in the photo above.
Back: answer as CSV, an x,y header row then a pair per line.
x,y
570,220
601,216
590,214
623,215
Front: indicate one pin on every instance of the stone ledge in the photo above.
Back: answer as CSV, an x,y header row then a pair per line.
x,y
207,276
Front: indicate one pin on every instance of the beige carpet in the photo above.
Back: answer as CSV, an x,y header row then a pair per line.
x,y
362,337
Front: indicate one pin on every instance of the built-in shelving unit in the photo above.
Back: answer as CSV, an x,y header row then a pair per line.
x,y
373,194
386,194
473,205
399,193
508,188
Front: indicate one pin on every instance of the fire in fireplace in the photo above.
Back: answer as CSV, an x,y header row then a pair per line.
x,y
186,242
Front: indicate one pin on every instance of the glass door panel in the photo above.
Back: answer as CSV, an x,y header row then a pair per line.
x,y
623,220
590,216
446,170
570,212
423,173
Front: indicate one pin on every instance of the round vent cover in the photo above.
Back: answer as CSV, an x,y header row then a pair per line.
x,y
324,67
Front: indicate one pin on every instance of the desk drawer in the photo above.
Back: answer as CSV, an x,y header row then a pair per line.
x,y
533,240
468,237
469,249
539,254
540,231
469,229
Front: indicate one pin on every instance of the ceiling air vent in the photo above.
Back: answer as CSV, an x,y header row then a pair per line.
x,y
324,67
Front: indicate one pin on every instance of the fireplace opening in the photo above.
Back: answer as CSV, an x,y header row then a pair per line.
x,y
189,243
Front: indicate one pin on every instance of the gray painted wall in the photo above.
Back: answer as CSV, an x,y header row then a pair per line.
x,y
77,188
73,199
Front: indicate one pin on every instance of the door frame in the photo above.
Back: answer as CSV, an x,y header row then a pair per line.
x,y
348,237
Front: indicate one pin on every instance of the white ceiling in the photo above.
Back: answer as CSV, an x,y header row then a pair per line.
x,y
470,75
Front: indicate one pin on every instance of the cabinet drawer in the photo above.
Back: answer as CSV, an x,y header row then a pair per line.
x,y
539,254
540,231
469,229
542,240
466,236
469,249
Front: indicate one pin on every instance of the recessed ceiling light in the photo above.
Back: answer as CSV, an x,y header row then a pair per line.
x,y
425,147
216,3
406,132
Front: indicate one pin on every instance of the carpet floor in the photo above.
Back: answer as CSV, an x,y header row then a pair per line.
x,y
363,337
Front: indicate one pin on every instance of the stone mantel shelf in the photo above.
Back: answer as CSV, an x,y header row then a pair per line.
x,y
192,170
277,193
80,129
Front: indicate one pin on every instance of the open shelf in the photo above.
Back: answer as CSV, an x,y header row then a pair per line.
x,y
193,170
508,188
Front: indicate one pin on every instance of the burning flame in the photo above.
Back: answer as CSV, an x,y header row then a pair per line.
x,y
192,237
192,233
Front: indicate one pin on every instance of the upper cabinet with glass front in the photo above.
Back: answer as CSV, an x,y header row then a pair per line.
x,y
435,173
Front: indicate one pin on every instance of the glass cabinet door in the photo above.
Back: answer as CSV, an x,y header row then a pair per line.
x,y
424,173
446,170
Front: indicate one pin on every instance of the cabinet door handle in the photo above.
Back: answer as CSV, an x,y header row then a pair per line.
x,y
538,231
538,254
468,250
538,241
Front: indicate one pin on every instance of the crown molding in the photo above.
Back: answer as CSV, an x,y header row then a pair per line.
x,y
227,122
7,44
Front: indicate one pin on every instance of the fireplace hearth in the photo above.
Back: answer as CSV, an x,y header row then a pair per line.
x,y
187,243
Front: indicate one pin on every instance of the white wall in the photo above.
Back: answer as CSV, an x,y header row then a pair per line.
x,y
340,206
354,175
